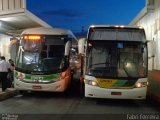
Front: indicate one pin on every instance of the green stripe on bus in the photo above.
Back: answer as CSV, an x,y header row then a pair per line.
x,y
119,83
130,82
124,83
44,77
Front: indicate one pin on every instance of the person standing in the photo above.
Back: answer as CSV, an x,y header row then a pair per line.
x,y
4,68
10,73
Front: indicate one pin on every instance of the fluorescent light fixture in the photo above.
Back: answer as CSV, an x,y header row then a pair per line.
x,y
7,19
122,26
92,26
140,27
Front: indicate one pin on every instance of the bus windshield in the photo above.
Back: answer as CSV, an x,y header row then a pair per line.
x,y
42,56
116,59
42,61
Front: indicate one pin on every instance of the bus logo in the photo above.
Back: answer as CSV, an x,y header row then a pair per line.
x,y
104,83
36,78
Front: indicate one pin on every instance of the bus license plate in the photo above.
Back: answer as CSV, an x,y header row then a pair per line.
x,y
116,93
37,87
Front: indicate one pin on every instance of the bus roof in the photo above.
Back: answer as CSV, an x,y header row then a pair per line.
x,y
116,26
127,33
48,31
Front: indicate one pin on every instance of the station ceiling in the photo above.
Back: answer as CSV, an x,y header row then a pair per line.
x,y
14,24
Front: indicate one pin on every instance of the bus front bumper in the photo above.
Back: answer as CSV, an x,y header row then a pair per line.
x,y
97,92
59,86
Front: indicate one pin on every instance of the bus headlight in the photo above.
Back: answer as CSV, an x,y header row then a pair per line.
x,y
141,84
91,82
20,76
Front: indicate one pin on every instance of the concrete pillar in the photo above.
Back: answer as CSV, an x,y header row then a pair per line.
x,y
10,5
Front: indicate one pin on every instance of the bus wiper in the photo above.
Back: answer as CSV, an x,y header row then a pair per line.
x,y
106,64
126,72
96,64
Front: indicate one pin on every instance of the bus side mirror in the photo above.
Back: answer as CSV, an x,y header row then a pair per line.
x,y
13,48
67,48
81,46
151,48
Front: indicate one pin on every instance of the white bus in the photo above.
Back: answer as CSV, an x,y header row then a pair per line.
x,y
42,61
115,62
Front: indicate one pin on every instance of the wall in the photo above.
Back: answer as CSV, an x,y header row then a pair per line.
x,y
8,8
151,22
10,5
4,45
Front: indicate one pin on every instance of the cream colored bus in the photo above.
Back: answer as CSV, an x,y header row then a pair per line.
x,y
115,62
